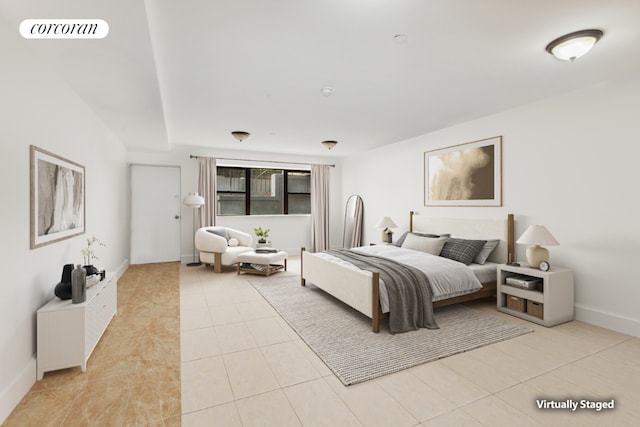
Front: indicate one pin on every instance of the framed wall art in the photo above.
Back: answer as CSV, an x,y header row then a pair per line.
x,y
57,198
467,174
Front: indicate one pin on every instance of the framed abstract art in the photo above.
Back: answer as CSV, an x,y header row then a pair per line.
x,y
467,174
57,198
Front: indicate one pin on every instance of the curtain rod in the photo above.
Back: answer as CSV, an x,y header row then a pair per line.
x,y
191,156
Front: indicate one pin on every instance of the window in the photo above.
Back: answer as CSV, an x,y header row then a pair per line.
x,y
269,192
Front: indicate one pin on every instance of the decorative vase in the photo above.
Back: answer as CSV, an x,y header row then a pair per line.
x,y
78,285
63,289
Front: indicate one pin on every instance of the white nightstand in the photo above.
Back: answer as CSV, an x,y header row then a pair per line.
x,y
549,304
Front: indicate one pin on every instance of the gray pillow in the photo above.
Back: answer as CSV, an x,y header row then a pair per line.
x,y
219,231
462,250
484,253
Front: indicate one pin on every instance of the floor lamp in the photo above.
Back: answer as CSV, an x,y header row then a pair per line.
x,y
195,201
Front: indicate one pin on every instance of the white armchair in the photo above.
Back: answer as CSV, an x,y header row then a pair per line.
x,y
221,245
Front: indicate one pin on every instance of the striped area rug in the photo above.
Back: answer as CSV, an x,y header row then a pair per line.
x,y
342,337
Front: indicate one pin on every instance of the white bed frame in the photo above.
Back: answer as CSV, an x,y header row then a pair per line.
x,y
360,289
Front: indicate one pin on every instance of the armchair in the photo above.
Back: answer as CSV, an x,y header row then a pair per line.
x,y
221,245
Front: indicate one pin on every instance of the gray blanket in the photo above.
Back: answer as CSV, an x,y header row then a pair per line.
x,y
409,290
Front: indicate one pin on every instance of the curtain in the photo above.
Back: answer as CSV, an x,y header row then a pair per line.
x,y
319,208
207,189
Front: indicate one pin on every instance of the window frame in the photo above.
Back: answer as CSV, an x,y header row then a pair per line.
x,y
247,189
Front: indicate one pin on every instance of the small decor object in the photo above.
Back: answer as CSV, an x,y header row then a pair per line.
x,y
544,266
89,255
464,175
261,234
537,235
63,289
386,224
78,285
57,198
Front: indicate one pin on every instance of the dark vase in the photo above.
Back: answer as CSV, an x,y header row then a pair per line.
x,y
63,289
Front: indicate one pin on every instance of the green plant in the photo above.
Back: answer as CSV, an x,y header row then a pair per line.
x,y
262,234
87,253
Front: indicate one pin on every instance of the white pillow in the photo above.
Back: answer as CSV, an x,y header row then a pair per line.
x,y
233,242
430,245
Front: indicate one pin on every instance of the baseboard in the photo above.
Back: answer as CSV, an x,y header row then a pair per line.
x,y
122,268
613,321
13,394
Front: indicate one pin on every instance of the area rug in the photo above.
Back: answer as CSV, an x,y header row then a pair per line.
x,y
342,337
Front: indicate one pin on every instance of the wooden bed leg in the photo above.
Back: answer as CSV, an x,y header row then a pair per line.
x,y
375,302
302,281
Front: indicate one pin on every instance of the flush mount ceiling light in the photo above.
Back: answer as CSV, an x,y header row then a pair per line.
x,y
329,144
240,135
574,45
326,91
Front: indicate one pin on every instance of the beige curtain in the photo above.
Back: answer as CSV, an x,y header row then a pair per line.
x,y
207,189
319,208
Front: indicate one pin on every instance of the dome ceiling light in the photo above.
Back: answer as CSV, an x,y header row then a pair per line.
x,y
329,144
240,135
574,45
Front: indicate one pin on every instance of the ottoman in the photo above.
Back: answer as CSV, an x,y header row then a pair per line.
x,y
262,263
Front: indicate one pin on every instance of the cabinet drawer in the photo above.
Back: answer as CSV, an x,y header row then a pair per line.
x,y
516,303
535,309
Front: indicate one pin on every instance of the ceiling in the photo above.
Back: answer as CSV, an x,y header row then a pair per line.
x,y
189,72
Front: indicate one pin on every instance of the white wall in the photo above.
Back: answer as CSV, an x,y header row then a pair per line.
x,y
288,233
570,163
38,108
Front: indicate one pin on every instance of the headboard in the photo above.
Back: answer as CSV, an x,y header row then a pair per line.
x,y
480,228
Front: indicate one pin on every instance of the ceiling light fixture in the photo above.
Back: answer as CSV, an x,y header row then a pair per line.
x,y
326,91
329,144
400,38
574,45
240,135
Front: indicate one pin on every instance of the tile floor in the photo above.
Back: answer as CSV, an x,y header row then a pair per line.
x,y
243,366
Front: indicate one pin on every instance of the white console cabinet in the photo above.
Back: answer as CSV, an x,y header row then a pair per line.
x,y
68,333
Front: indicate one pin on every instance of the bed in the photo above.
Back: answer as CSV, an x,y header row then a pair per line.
x,y
362,289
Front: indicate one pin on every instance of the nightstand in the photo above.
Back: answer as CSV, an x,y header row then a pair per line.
x,y
548,304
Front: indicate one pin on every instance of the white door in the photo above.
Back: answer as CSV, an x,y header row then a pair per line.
x,y
155,214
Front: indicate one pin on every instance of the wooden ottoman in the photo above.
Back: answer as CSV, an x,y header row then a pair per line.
x,y
262,263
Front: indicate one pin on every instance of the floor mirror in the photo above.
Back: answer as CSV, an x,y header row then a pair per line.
x,y
352,235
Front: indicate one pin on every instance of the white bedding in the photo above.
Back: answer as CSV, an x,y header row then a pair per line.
x,y
447,278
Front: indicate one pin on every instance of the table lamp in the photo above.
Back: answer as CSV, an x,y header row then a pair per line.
x,y
537,235
386,223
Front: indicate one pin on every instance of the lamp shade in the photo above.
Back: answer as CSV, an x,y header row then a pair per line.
x,y
386,222
193,200
537,235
